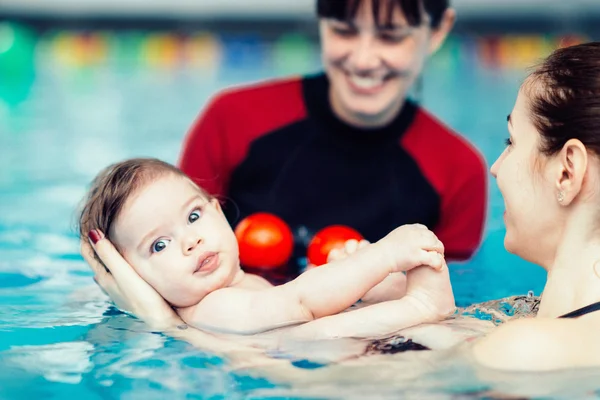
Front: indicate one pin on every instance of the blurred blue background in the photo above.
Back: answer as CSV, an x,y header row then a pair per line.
x,y
84,83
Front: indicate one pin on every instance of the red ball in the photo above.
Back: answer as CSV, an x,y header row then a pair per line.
x,y
265,241
327,239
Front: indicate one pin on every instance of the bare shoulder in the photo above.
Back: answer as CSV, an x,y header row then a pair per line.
x,y
255,282
245,310
224,311
540,345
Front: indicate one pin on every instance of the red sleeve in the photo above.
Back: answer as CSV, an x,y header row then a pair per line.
x,y
458,173
462,217
202,155
220,138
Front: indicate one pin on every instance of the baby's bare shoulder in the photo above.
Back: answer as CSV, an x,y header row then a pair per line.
x,y
255,282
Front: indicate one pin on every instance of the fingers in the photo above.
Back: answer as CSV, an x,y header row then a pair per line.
x,y
335,254
430,242
87,251
107,282
351,246
98,282
363,243
112,259
102,277
432,259
421,236
435,245
310,266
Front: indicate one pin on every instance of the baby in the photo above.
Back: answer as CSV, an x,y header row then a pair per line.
x,y
177,239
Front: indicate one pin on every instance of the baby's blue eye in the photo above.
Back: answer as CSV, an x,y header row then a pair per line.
x,y
194,216
160,245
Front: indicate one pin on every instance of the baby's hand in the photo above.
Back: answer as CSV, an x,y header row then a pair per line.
x,y
410,246
431,291
351,246
391,288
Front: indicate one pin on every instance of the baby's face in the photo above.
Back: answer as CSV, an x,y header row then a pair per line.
x,y
177,240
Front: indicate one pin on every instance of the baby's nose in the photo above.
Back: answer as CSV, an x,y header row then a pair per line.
x,y
192,243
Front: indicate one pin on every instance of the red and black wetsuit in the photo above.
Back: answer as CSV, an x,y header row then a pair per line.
x,y
278,147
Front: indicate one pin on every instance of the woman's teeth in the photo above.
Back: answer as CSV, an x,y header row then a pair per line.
x,y
364,82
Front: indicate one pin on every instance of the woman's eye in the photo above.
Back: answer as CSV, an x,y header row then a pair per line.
x,y
392,38
194,216
160,245
508,142
344,32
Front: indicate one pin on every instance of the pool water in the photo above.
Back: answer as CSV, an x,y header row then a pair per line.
x,y
67,119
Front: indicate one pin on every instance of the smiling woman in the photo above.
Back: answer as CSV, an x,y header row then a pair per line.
x,y
318,150
374,52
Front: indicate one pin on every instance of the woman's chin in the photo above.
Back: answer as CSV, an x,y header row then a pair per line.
x,y
368,112
510,244
519,248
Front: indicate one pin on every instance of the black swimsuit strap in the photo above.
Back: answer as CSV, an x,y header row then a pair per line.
x,y
582,311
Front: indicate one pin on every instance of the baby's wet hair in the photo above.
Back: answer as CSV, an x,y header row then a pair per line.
x,y
114,186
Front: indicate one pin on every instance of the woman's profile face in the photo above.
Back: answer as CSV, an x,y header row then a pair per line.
x,y
371,65
523,176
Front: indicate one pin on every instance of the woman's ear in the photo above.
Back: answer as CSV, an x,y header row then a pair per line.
x,y
439,34
573,162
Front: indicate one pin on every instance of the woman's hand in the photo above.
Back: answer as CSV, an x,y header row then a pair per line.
x,y
125,287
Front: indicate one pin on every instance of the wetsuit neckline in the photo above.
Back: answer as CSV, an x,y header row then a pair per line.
x,y
316,96
582,311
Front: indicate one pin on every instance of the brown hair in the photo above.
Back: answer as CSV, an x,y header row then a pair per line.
x,y
411,9
114,185
564,98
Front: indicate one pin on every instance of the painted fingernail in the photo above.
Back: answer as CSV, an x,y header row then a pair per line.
x,y
95,235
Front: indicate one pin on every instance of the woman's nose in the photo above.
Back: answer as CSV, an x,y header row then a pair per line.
x,y
494,169
496,165
364,55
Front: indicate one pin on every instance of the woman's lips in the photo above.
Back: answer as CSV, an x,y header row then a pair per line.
x,y
365,85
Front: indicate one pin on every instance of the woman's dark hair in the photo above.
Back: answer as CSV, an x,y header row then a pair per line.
x,y
383,10
564,98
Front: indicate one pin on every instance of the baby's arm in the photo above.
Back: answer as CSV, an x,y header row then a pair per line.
x,y
323,291
375,320
319,292
429,298
393,287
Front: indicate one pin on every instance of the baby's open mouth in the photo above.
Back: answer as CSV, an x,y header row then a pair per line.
x,y
207,262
